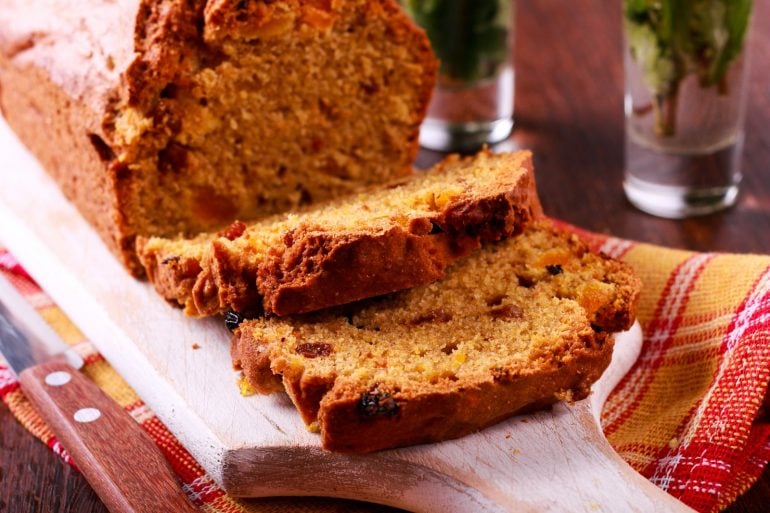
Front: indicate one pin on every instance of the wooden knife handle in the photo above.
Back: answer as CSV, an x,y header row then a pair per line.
x,y
119,460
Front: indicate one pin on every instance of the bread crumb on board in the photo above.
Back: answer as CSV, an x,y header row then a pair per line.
x,y
245,387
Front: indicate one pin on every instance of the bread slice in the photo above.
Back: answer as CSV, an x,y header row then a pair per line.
x,y
368,244
516,326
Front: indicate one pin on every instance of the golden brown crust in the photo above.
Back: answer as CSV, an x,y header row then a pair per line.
x,y
119,121
320,271
61,100
225,284
176,274
47,120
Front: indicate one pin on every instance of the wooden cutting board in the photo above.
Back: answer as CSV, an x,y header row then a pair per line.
x,y
258,446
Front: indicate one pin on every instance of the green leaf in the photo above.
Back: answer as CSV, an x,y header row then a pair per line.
x,y
737,19
670,39
468,36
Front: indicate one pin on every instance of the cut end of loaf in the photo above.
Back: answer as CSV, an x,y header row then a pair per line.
x,y
362,245
179,117
274,105
520,324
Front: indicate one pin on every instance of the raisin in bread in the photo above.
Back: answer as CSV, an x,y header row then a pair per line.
x,y
517,325
368,244
168,116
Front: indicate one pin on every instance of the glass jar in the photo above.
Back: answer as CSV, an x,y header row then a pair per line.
x,y
685,69
472,104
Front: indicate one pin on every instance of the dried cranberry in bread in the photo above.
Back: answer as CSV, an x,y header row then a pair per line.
x,y
361,246
517,325
160,117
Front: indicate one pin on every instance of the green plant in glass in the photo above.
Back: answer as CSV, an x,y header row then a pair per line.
x,y
671,39
468,36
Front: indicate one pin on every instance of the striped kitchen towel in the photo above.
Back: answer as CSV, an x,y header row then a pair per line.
x,y
689,415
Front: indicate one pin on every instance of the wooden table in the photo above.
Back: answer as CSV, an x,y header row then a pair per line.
x,y
569,111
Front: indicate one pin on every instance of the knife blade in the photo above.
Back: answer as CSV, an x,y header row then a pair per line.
x,y
119,460
25,339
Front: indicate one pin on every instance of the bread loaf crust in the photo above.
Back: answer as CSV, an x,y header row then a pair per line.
x,y
107,95
63,74
321,271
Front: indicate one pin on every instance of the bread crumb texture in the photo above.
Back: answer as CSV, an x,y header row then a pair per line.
x,y
516,326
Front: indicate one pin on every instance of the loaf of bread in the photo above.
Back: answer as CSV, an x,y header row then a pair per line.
x,y
168,116
516,326
364,245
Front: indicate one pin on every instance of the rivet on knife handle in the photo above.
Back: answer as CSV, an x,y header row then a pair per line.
x,y
119,460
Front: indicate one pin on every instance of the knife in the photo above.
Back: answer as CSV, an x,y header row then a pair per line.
x,y
119,460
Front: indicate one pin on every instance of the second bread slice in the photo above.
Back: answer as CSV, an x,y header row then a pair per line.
x,y
372,243
516,326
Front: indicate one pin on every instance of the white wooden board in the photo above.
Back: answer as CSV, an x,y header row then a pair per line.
x,y
258,446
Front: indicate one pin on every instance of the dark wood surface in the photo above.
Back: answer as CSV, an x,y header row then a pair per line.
x,y
569,111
